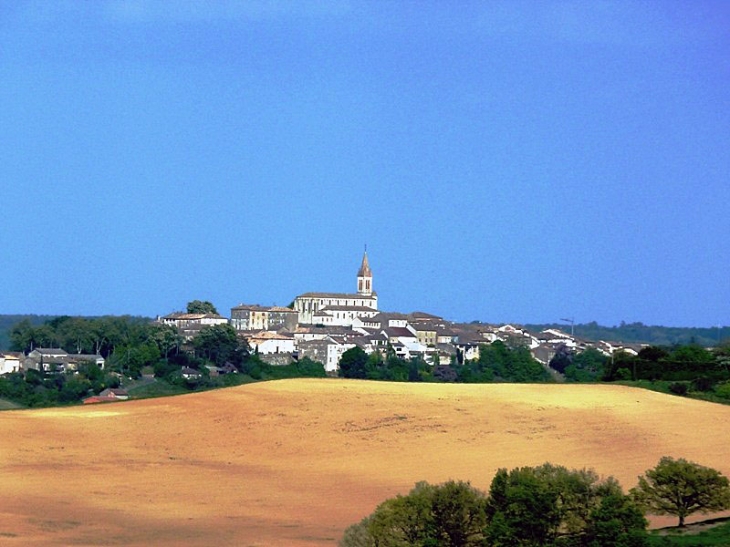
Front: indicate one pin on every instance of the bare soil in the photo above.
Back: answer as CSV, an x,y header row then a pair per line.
x,y
292,463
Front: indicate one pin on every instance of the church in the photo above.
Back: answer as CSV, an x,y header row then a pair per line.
x,y
340,309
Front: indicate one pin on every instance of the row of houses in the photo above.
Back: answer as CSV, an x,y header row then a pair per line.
x,y
323,325
275,335
56,360
47,360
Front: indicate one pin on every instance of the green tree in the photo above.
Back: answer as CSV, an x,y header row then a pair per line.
x,y
25,337
447,515
418,370
587,366
216,343
522,509
723,390
358,535
498,362
692,353
552,505
129,360
75,334
680,488
201,306
404,520
546,506
21,336
653,353
307,368
616,522
458,515
73,388
93,374
395,369
167,338
352,363
562,359
622,366
375,366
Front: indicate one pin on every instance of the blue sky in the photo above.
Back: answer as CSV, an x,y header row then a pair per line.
x,y
504,161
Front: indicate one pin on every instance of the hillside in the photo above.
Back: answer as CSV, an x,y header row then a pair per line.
x,y
292,463
638,333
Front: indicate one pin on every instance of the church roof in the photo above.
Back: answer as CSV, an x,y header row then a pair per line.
x,y
365,270
351,296
349,308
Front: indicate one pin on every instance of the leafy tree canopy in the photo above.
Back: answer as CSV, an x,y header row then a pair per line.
x,y
552,505
352,363
201,306
680,488
498,362
220,344
526,507
449,515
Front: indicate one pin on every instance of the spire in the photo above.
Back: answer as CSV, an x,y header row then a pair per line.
x,y
365,270
365,276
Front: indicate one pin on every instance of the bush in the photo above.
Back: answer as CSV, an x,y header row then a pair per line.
x,y
623,374
678,388
723,390
702,384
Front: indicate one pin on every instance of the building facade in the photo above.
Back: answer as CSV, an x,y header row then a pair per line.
x,y
253,317
340,309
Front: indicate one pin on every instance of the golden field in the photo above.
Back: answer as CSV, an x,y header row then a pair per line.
x,y
293,463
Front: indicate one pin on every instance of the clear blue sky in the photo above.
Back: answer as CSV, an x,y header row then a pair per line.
x,y
504,161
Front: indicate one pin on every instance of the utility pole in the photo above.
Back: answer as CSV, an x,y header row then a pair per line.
x,y
572,325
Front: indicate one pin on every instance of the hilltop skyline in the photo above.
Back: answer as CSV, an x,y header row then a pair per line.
x,y
508,162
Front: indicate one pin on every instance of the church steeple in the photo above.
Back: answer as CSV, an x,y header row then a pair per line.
x,y
365,276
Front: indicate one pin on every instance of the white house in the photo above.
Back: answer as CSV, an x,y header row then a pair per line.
x,y
268,342
182,320
9,363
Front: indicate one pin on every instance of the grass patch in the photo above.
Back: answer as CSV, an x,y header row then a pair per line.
x,y
662,386
162,388
697,535
158,388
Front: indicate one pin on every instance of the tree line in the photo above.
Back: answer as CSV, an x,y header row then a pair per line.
x,y
496,363
684,368
131,345
639,333
547,505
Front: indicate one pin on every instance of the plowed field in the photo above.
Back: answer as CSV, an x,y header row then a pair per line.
x,y
292,463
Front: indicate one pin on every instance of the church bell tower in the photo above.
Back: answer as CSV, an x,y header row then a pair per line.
x,y
365,277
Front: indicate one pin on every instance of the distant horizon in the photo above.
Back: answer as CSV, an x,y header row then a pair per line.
x,y
565,326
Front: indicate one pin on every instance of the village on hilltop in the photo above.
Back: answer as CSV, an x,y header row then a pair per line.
x,y
323,325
